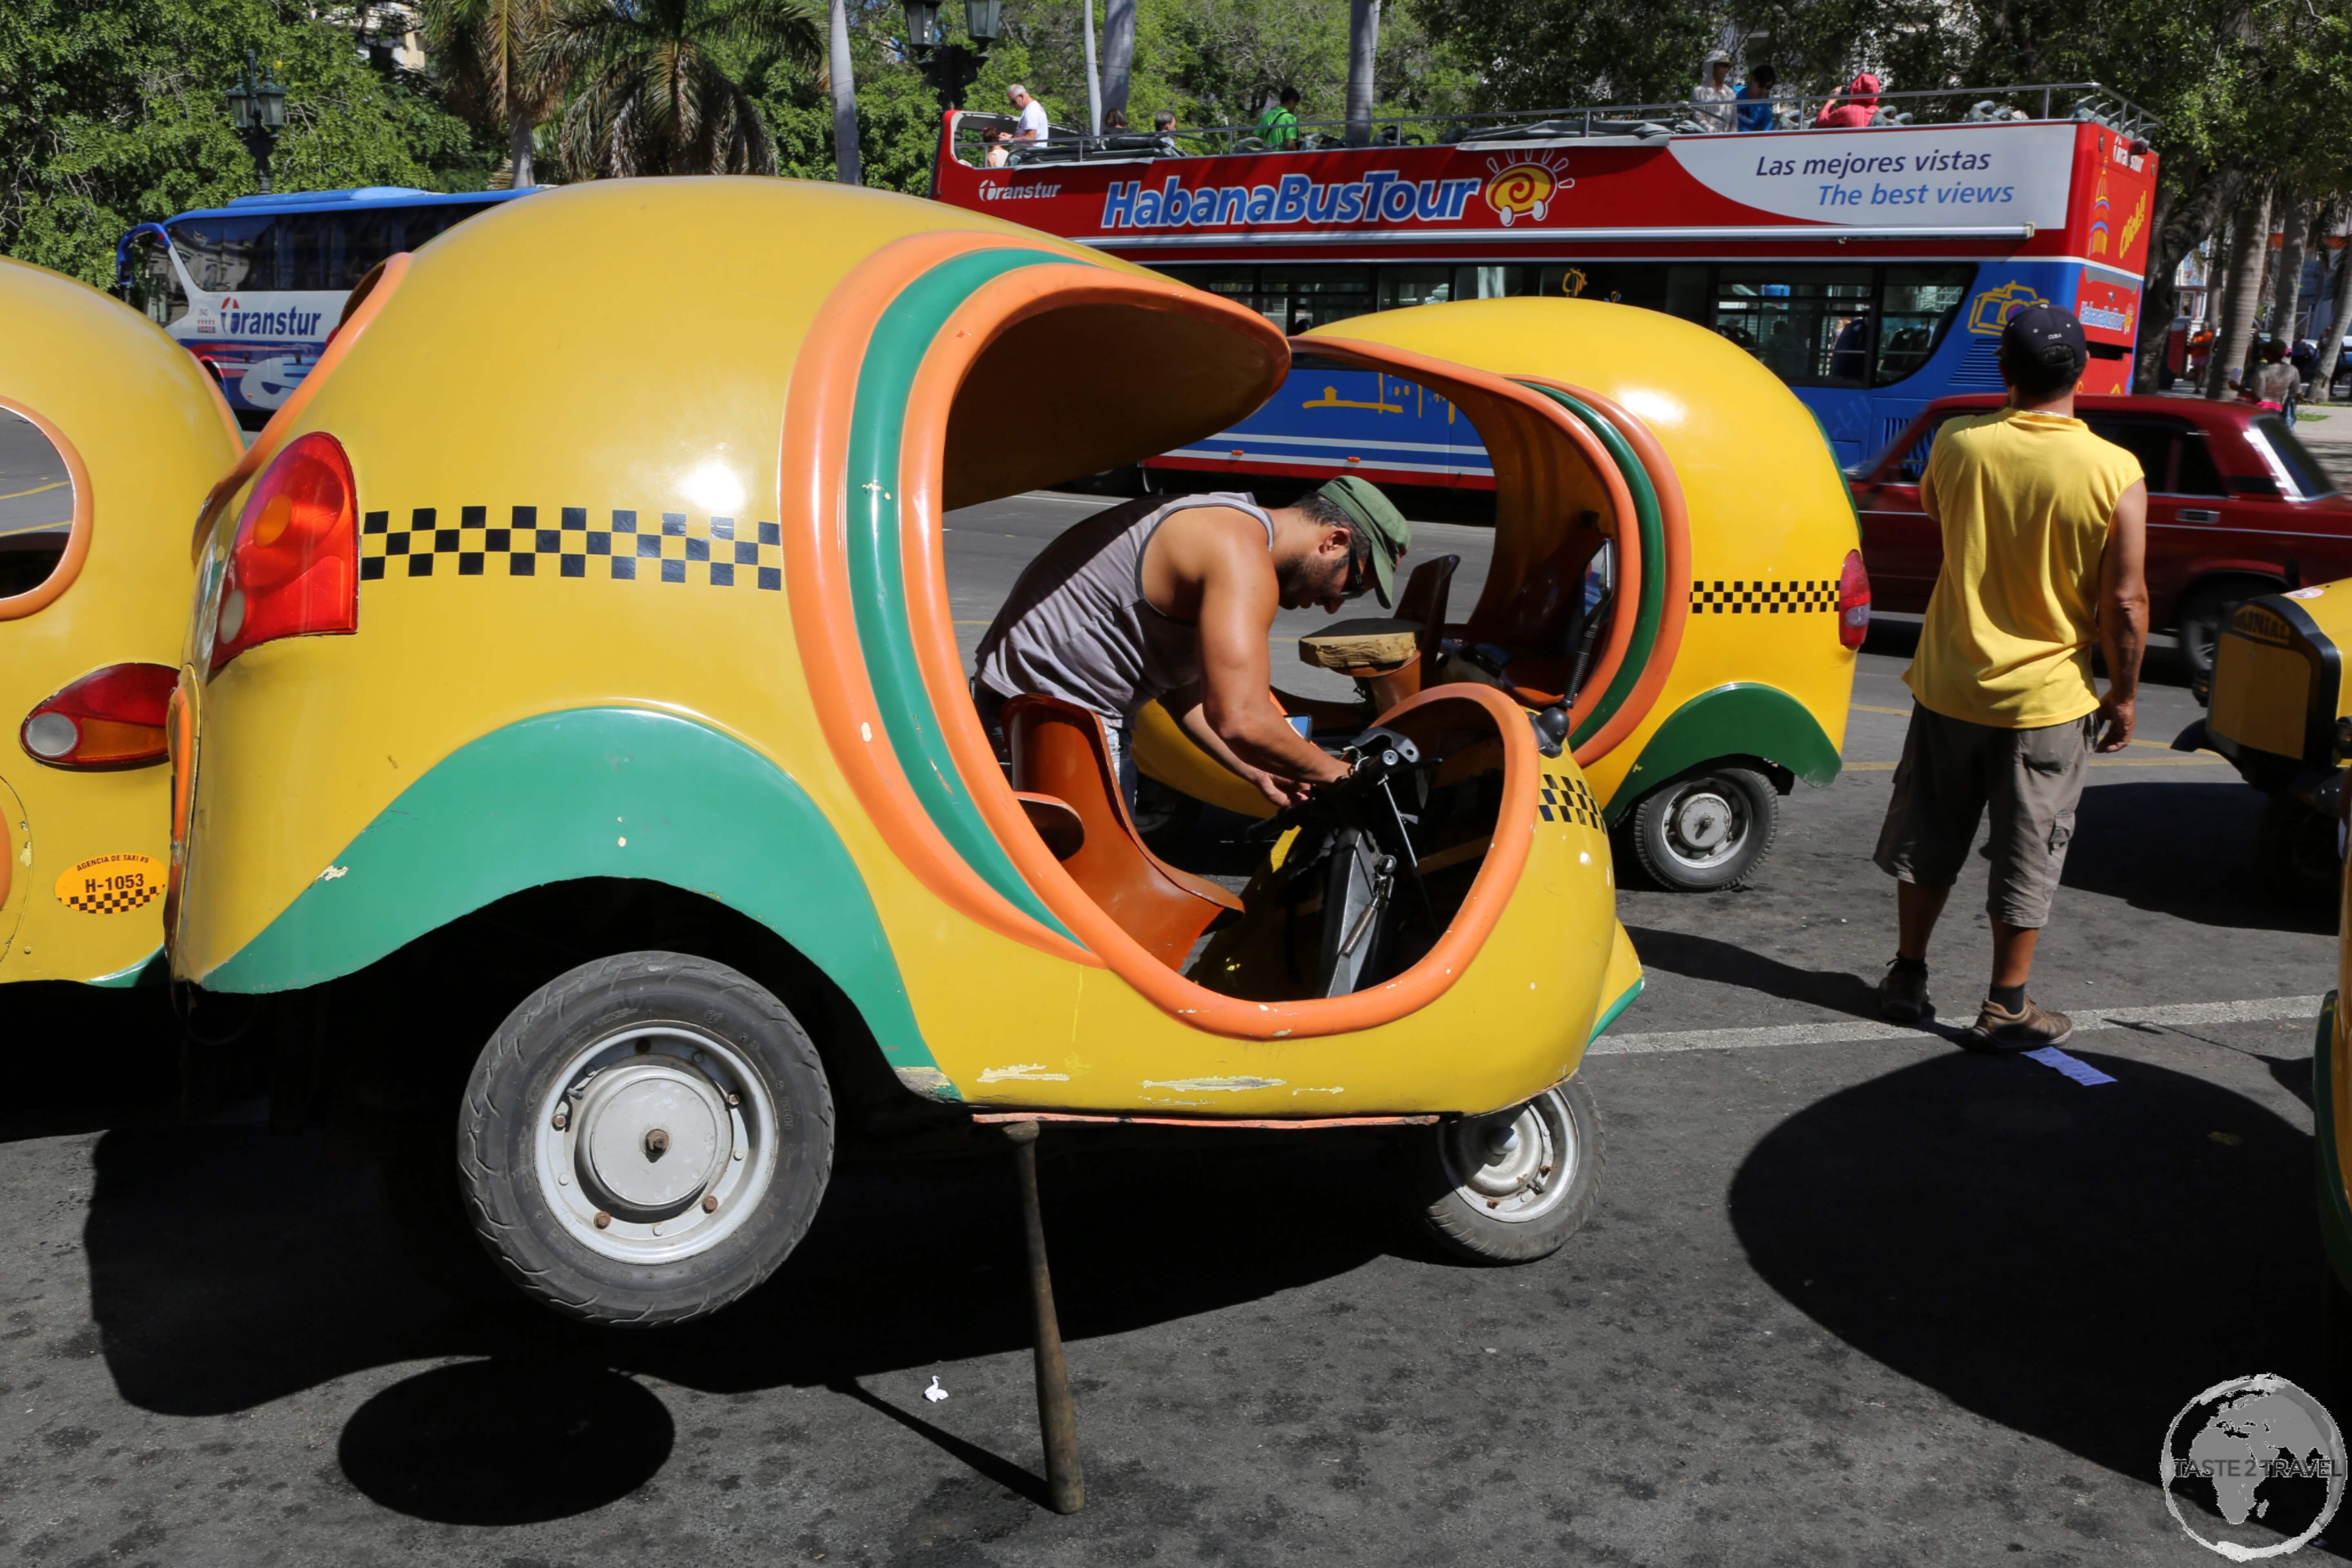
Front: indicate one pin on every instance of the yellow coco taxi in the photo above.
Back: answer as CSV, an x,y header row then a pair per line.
x,y
2279,709
592,737
1717,670
109,434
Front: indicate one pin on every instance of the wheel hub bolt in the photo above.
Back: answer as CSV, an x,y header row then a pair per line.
x,y
562,1119
656,1143
602,1219
709,1205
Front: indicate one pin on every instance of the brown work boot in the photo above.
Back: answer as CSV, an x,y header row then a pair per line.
x,y
2028,1029
1902,992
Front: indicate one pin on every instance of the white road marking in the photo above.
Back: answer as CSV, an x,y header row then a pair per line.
x,y
2175,1015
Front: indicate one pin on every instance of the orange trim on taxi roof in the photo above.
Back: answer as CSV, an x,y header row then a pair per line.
x,y
1674,514
361,309
813,492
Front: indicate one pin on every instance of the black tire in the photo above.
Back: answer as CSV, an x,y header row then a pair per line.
x,y
2335,1338
2204,612
675,1041
2295,846
1705,832
1453,1185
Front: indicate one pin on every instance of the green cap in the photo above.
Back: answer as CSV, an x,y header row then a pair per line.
x,y
1379,518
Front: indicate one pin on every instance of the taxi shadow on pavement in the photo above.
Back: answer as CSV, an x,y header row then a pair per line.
x,y
2183,850
1709,958
228,1268
2073,1263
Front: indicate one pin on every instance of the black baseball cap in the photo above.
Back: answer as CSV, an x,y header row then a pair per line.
x,y
2031,334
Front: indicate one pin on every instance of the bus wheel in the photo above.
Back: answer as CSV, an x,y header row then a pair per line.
x,y
1506,1188
2296,848
645,1138
1706,833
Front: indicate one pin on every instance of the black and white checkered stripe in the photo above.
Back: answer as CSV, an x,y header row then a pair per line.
x,y
714,552
1569,799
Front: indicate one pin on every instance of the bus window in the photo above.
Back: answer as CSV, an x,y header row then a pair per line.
x,y
1489,282
1403,286
225,254
155,282
1686,293
1811,325
37,506
1316,296
1916,306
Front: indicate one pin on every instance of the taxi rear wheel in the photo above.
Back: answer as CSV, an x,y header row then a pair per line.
x,y
1707,832
1506,1188
645,1138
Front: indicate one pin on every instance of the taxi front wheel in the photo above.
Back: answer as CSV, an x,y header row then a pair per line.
x,y
645,1138
1506,1188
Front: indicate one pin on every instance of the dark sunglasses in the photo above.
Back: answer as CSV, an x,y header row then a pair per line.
x,y
1360,570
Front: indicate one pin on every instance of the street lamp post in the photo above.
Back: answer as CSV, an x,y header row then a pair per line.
x,y
256,104
950,68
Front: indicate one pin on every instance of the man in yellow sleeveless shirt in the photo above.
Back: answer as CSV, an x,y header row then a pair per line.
x,y
2044,532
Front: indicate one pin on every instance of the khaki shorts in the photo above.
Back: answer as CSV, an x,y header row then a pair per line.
x,y
1951,770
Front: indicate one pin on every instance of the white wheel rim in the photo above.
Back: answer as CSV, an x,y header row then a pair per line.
x,y
1516,1166
655,1144
1705,826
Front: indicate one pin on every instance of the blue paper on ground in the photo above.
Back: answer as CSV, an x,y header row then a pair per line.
x,y
2082,1072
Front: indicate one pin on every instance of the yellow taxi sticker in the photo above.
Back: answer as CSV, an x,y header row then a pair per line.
x,y
109,884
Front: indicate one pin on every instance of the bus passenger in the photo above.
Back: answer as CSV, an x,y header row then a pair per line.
x,y
1279,126
999,142
1173,600
1854,110
1711,103
1755,98
1032,112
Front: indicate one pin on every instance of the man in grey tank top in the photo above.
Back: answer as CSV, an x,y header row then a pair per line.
x,y
1173,600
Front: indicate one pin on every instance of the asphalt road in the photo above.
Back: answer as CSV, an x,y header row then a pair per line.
x,y
1852,1295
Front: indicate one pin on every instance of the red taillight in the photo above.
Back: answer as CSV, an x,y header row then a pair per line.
x,y
111,717
1853,601
293,569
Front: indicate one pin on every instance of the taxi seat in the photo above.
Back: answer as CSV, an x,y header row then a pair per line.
x,y
1539,625
1060,752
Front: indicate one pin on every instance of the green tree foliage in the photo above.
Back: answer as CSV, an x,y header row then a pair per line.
x,y
111,114
656,94
491,57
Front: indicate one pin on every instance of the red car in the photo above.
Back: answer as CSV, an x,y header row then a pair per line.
x,y
2236,507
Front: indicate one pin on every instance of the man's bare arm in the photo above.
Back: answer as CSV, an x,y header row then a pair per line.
x,y
1238,599
2123,616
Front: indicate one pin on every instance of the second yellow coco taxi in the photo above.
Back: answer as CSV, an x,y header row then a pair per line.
x,y
1715,669
581,753
108,434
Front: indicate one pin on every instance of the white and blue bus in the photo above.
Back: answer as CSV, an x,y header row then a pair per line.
x,y
253,289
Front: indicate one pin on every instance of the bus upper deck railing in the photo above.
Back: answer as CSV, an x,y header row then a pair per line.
x,y
2035,102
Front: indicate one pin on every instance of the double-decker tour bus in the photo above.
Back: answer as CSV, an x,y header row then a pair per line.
x,y
254,287
1871,268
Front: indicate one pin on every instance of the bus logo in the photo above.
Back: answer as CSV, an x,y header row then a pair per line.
x,y
1990,310
1524,189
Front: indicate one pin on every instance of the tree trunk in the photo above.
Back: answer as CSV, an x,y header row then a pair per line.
x,y
518,128
2181,224
2286,297
2331,346
1094,77
1119,53
2242,292
846,166
1363,44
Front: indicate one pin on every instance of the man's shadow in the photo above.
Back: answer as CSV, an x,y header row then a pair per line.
x,y
2073,1263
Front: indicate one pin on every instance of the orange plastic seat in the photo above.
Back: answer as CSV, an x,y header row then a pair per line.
x,y
1059,750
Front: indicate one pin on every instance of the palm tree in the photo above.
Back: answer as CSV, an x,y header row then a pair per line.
x,y
489,52
652,99
1363,49
1119,52
846,165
